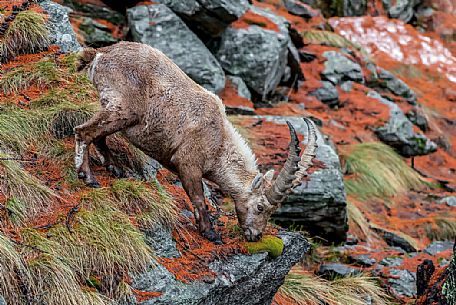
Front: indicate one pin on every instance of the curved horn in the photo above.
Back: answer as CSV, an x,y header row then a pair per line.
x,y
295,168
279,189
309,152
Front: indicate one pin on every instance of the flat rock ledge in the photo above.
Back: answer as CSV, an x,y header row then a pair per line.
x,y
240,279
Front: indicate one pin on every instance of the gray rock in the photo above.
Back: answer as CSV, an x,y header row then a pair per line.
x,y
387,81
398,132
298,8
2,301
240,279
403,283
256,55
347,86
339,68
208,16
395,240
401,9
240,86
449,287
96,11
332,270
438,246
450,201
170,35
327,94
354,8
418,118
161,241
95,34
362,259
319,204
392,261
60,31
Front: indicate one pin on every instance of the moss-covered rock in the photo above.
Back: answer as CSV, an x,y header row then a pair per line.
x,y
271,244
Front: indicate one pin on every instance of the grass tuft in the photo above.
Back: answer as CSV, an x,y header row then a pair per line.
x,y
378,171
357,219
304,289
26,34
442,229
15,278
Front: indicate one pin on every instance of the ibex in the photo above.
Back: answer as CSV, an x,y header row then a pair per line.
x,y
183,126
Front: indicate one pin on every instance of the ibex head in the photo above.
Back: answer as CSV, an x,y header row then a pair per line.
x,y
265,195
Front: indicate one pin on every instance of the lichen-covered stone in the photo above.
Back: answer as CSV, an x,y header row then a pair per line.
x,y
387,81
327,94
94,33
398,132
60,31
271,244
400,9
240,86
158,26
240,279
438,246
339,68
402,283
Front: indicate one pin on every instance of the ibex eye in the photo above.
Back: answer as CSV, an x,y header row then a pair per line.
x,y
260,208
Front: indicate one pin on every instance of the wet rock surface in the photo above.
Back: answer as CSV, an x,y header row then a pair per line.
x,y
58,23
240,279
170,35
398,132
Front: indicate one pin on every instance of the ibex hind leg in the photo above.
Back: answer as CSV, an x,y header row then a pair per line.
x,y
102,124
107,158
191,179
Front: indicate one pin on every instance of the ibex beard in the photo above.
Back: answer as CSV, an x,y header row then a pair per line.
x,y
160,110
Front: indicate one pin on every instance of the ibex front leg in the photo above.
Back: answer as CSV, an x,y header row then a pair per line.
x,y
191,179
100,125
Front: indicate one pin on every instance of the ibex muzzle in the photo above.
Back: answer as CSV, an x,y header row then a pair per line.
x,y
160,110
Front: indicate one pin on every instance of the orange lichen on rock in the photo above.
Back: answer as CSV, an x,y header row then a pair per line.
x,y
250,18
142,296
230,97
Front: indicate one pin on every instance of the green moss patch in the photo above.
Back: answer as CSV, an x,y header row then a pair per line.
x,y
271,244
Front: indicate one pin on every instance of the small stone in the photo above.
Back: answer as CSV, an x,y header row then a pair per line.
x,y
392,261
327,94
347,86
438,246
450,201
339,68
332,270
362,259
403,283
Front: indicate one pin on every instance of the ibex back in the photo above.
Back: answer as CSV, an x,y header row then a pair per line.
x,y
172,119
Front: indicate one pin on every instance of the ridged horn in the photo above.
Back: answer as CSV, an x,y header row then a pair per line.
x,y
281,186
295,167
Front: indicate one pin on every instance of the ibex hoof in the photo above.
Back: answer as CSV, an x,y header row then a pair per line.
x,y
213,236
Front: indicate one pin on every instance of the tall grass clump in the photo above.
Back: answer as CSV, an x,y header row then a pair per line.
x,y
15,279
357,219
304,289
443,229
377,171
26,34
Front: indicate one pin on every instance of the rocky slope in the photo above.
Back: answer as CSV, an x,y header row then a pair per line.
x,y
378,78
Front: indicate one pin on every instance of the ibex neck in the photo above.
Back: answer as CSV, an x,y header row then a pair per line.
x,y
236,166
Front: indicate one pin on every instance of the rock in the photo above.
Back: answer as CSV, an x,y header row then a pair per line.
x,y
437,247
208,17
158,26
418,118
240,86
449,287
160,239
2,301
333,270
319,204
305,56
450,201
354,8
395,240
240,279
256,55
387,81
347,86
339,68
400,9
60,31
327,94
94,33
398,132
362,259
392,261
298,8
402,283
424,272
95,11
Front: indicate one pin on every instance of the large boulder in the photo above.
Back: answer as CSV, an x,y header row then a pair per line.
x,y
208,16
319,204
158,26
398,132
239,279
60,31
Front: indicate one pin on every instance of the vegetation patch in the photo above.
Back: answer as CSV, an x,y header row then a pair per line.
x,y
271,244
305,289
376,170
26,34
442,229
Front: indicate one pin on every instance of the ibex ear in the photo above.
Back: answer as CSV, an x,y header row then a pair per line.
x,y
256,181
